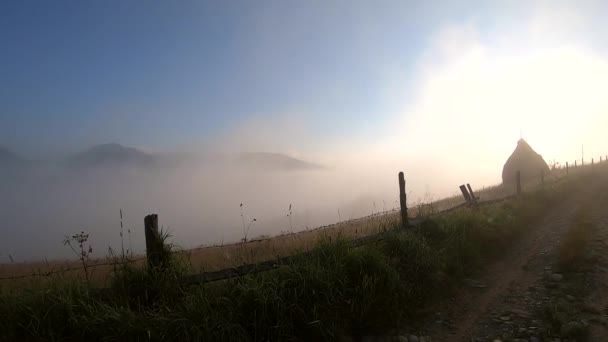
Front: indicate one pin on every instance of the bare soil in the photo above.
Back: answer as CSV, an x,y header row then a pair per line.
x,y
511,300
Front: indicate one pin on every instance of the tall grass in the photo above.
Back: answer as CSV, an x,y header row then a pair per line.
x,y
335,290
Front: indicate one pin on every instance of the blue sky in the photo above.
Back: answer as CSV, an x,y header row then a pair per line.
x,y
76,73
438,90
165,74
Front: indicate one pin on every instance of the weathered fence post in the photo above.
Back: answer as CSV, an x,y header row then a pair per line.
x,y
575,163
473,197
153,244
403,200
566,168
465,193
518,182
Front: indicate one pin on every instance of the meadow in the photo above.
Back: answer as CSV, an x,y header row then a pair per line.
x,y
257,249
336,289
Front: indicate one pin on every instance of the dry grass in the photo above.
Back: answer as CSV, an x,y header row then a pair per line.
x,y
214,258
211,258
338,289
220,257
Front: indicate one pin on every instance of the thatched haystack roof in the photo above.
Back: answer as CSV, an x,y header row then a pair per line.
x,y
525,160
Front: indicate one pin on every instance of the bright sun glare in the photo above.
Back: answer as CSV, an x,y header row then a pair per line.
x,y
480,102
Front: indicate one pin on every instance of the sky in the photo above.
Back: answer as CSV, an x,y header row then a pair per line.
x,y
439,89
79,73
162,74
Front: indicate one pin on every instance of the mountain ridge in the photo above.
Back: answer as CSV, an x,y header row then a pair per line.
x,y
276,161
110,154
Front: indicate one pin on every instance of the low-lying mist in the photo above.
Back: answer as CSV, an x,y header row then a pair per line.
x,y
198,199
455,119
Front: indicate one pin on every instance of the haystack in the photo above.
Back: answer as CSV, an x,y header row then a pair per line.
x,y
525,160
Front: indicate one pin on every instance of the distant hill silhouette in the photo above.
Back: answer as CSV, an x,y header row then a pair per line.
x,y
111,155
275,161
8,158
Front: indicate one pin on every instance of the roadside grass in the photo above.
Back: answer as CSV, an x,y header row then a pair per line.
x,y
571,307
256,249
572,252
334,290
575,260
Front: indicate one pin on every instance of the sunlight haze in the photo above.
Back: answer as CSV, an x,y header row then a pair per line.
x,y
311,104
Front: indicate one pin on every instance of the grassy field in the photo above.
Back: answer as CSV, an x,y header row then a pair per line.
x,y
213,258
335,290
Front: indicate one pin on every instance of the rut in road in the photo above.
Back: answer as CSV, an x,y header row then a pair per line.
x,y
513,283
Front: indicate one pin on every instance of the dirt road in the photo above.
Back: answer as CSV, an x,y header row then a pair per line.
x,y
525,297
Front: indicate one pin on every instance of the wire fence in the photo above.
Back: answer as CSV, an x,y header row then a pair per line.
x,y
557,175
48,273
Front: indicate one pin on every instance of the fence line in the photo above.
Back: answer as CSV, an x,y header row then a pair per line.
x,y
70,269
79,268
235,272
471,200
266,238
239,271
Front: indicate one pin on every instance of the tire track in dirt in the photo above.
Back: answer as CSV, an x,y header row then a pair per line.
x,y
598,286
519,271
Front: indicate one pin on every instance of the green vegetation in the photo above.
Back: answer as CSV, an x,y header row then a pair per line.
x,y
575,261
335,290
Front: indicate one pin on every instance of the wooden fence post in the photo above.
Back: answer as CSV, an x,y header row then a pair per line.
x,y
566,168
575,163
465,194
153,244
518,182
473,197
403,201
